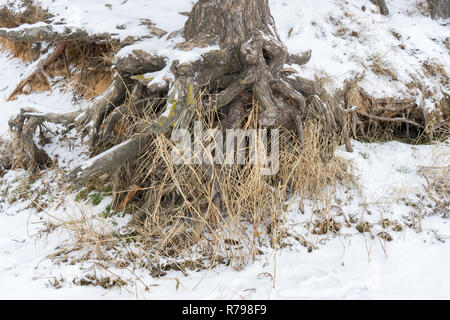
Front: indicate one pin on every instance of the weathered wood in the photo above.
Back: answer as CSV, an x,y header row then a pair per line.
x,y
108,161
23,128
397,120
304,86
139,62
300,59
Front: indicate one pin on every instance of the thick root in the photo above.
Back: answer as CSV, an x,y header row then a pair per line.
x,y
23,128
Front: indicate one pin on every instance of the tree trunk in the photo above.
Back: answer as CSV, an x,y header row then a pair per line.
x,y
229,22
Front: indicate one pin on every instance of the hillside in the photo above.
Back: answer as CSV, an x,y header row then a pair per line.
x,y
378,228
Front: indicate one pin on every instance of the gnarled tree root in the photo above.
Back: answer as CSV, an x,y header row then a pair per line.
x,y
40,69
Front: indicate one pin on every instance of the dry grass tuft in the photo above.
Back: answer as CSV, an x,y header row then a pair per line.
x,y
11,19
21,50
438,179
12,157
87,67
6,158
178,224
435,69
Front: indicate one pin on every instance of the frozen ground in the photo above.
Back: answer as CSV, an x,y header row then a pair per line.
x,y
350,265
396,179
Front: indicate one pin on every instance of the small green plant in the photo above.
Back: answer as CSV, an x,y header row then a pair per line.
x,y
96,198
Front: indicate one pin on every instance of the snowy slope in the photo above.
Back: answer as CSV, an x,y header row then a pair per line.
x,y
119,17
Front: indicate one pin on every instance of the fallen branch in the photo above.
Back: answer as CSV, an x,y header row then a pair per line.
x,y
57,118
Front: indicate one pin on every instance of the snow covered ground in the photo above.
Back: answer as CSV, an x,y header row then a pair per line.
x,y
397,193
349,265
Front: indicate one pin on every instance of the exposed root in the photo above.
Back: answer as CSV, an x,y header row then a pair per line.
x,y
98,111
46,33
300,59
23,128
383,7
109,161
243,84
256,66
40,69
371,117
57,118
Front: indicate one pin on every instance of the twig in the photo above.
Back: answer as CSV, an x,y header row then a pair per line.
x,y
400,120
